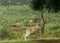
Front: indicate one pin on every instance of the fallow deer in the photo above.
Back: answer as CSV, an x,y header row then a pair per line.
x,y
31,30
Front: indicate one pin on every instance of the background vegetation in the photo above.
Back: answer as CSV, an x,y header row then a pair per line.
x,y
14,2
20,14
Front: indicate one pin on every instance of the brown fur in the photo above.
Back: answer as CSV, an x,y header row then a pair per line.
x,y
13,27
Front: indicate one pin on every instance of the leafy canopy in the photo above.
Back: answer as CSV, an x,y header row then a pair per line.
x,y
53,5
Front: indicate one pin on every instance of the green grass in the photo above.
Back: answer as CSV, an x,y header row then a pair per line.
x,y
22,15
17,41
32,41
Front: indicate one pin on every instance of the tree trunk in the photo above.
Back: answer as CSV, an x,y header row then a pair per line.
x,y
42,22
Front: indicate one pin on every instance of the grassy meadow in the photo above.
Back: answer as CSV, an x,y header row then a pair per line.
x,y
20,15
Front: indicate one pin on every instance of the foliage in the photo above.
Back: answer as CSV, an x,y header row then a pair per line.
x,y
38,4
14,2
22,15
51,5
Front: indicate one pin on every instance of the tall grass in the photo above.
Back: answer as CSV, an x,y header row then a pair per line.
x,y
22,14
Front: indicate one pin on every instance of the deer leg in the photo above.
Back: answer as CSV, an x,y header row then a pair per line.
x,y
26,36
23,37
40,30
40,33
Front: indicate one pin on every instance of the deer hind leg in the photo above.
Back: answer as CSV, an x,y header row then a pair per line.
x,y
25,36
